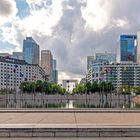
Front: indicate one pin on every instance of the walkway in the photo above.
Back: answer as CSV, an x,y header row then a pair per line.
x,y
77,123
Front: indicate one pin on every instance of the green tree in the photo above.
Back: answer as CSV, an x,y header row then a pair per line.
x,y
39,86
46,87
88,87
94,87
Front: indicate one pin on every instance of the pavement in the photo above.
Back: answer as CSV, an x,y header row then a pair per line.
x,y
69,119
70,123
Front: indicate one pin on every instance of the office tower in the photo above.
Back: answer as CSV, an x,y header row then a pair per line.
x,y
90,60
127,49
54,64
55,72
18,55
31,51
109,57
46,63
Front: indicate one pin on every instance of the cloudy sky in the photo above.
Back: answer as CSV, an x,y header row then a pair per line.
x,y
71,29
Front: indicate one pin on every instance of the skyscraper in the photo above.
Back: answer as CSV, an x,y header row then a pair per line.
x,y
127,49
31,51
55,72
47,62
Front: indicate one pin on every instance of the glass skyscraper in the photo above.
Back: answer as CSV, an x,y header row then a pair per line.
x,y
127,50
31,51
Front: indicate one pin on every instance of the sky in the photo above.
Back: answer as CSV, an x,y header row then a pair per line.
x,y
71,29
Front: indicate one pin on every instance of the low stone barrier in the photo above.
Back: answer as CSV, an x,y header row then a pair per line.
x,y
69,132
87,110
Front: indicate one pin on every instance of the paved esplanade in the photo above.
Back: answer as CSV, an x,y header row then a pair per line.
x,y
70,123
69,118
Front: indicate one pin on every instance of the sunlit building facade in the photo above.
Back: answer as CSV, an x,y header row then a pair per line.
x,y
47,63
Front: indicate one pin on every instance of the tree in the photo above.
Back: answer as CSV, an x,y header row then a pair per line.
x,y
94,87
88,87
80,88
46,87
39,86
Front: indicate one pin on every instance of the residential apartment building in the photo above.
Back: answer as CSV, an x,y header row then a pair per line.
x,y
127,73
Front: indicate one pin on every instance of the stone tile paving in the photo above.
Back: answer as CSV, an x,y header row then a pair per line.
x,y
71,119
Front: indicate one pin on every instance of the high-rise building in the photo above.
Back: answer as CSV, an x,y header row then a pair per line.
x,y
18,55
90,60
54,64
138,47
122,74
31,51
47,63
55,72
110,57
127,49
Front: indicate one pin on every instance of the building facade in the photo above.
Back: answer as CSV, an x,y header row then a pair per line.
x,y
127,73
47,63
55,72
14,71
127,48
18,55
90,60
138,47
5,54
31,51
110,57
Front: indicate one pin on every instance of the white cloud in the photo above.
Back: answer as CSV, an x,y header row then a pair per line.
x,y
120,22
9,35
8,11
41,21
95,14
